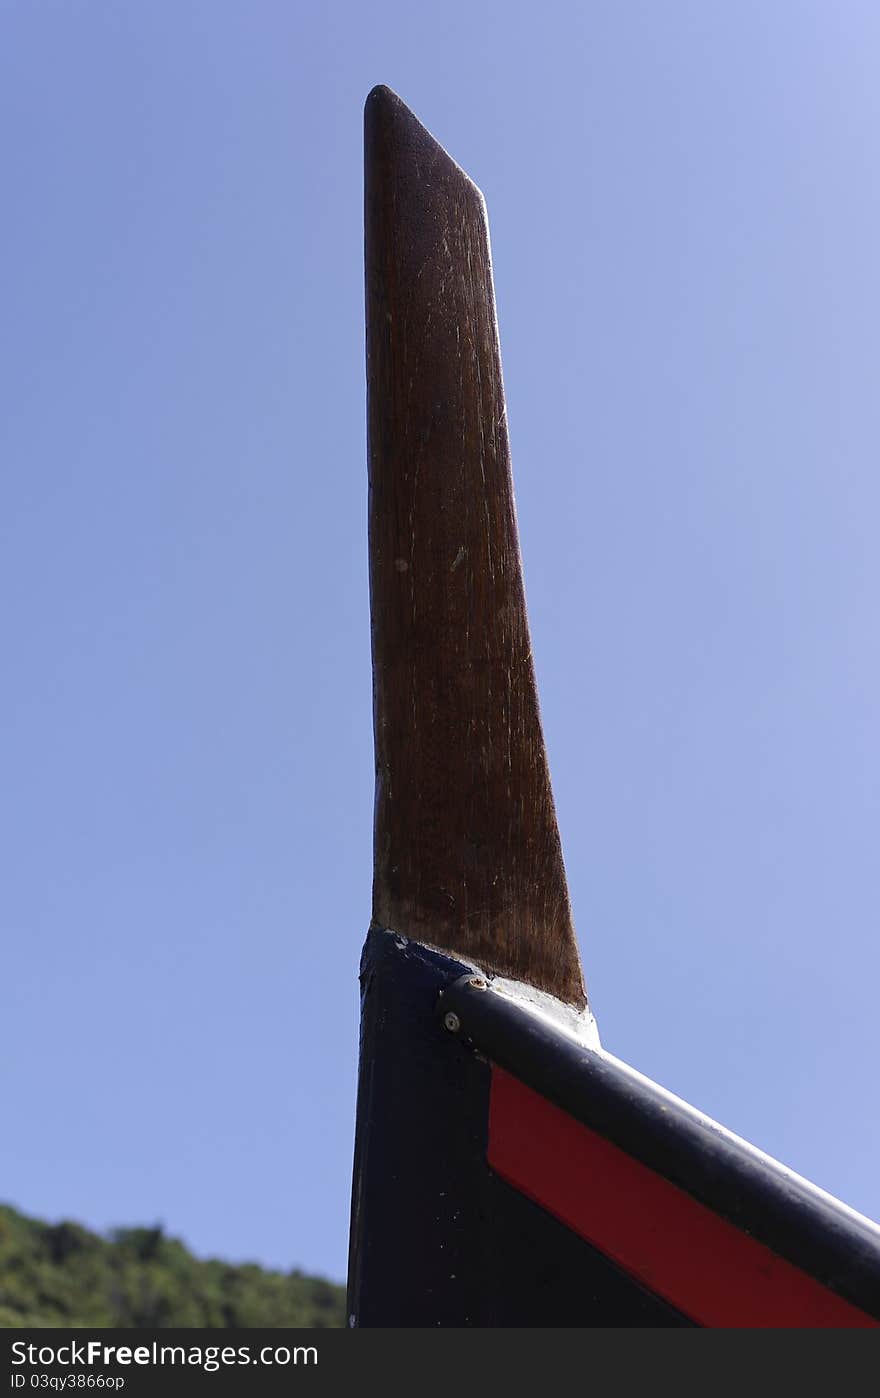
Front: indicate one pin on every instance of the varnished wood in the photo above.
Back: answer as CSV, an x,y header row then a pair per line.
x,y
467,850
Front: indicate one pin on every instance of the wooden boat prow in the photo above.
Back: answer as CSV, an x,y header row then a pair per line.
x,y
509,1171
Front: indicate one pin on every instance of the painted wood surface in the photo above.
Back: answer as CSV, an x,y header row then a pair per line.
x,y
438,1237
707,1269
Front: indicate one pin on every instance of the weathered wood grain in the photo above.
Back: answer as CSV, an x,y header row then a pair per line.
x,y
467,850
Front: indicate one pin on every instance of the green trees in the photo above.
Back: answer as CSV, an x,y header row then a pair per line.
x,y
64,1275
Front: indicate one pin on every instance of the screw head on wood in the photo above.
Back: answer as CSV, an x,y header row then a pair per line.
x,y
452,1022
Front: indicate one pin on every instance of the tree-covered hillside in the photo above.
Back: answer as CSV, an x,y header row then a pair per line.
x,y
62,1274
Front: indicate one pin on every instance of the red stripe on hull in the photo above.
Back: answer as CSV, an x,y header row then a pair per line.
x,y
701,1264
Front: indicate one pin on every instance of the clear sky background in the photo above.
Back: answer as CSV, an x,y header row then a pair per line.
x,y
685,210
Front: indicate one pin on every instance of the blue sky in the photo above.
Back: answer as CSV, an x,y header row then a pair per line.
x,y
685,211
